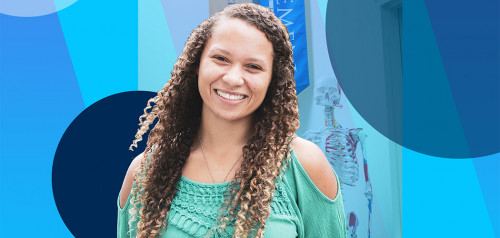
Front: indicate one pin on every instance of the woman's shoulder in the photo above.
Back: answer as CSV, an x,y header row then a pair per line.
x,y
129,179
316,166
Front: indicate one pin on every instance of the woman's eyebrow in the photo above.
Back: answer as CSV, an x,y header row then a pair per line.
x,y
257,60
222,50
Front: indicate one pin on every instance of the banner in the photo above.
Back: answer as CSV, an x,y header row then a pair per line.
x,y
292,14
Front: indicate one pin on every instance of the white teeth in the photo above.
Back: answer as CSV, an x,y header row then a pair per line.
x,y
229,96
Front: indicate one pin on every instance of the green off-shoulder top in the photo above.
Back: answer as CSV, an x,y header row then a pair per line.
x,y
298,209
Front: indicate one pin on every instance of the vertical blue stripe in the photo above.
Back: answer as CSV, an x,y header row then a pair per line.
x,y
488,175
102,40
156,49
39,98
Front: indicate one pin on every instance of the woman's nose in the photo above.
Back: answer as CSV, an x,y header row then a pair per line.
x,y
234,76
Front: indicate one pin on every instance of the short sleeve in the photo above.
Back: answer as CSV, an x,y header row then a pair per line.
x,y
123,219
320,215
123,228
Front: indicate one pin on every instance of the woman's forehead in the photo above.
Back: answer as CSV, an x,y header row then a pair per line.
x,y
234,34
226,22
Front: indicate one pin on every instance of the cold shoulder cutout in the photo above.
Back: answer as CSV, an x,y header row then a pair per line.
x,y
129,180
316,166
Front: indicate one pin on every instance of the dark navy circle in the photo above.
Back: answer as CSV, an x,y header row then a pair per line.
x,y
91,161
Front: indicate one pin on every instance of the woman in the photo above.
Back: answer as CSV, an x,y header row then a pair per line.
x,y
222,159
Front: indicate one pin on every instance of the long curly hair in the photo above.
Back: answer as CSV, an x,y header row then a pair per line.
x,y
177,109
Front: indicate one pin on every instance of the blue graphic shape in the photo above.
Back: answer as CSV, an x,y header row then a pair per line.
x,y
418,111
33,8
468,39
488,175
183,18
39,96
102,40
322,7
431,123
156,49
91,161
442,198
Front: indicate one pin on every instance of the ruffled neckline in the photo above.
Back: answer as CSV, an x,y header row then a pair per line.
x,y
196,206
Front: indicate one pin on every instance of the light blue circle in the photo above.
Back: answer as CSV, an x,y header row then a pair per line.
x,y
33,8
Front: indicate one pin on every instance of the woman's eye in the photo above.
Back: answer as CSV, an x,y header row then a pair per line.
x,y
253,66
220,58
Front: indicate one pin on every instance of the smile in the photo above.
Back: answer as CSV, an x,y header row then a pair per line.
x,y
230,96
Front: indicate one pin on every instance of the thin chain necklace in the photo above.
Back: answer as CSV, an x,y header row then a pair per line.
x,y
206,163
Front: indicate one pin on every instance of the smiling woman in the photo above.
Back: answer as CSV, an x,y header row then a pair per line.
x,y
222,160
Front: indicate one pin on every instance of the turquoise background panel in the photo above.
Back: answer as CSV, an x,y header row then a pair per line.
x,y
442,198
102,41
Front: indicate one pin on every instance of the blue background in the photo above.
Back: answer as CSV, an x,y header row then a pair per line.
x,y
55,65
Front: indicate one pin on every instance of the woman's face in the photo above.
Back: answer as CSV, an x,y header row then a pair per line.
x,y
235,70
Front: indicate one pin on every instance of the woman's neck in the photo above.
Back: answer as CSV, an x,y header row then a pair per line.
x,y
223,138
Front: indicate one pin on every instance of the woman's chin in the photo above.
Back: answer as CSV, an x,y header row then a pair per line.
x,y
232,116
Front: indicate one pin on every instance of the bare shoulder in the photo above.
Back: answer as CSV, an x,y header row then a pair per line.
x,y
129,179
316,166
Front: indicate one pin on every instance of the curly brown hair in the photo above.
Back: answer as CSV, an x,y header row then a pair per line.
x,y
178,110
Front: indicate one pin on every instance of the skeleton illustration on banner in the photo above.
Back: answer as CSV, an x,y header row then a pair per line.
x,y
340,147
